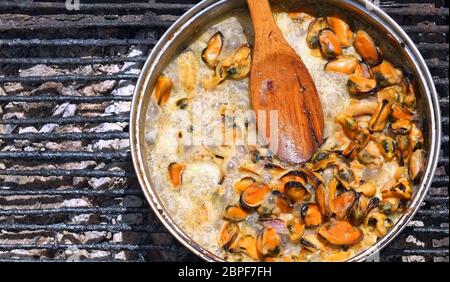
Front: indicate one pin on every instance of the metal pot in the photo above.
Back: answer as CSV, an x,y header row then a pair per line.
x,y
365,12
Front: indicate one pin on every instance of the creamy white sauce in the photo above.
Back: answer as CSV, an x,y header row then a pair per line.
x,y
198,203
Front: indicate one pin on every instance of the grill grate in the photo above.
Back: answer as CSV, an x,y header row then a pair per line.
x,y
67,187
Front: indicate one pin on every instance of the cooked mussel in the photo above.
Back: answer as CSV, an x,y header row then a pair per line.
x,y
363,70
329,44
342,30
315,27
228,234
402,127
297,191
389,205
387,147
296,229
369,189
345,64
403,190
348,123
311,215
218,76
362,206
343,203
247,245
282,201
386,74
357,143
212,51
325,195
366,48
322,159
254,195
362,107
380,117
268,243
293,175
234,213
360,85
371,156
312,243
416,163
238,65
378,222
176,173
401,113
416,137
341,233
404,148
162,90
346,176
243,183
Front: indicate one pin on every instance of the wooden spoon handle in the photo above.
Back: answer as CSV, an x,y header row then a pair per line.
x,y
262,18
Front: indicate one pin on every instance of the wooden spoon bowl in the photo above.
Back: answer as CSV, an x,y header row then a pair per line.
x,y
279,81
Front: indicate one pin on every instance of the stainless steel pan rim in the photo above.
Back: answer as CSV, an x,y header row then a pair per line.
x,y
148,74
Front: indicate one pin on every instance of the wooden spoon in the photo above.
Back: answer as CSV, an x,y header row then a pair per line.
x,y
280,81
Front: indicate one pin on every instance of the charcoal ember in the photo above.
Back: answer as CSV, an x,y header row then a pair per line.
x,y
122,255
99,183
85,219
47,128
28,129
99,254
48,88
88,237
59,109
69,111
39,70
64,146
78,165
115,144
91,107
124,90
75,254
12,88
68,238
79,181
77,203
118,108
27,237
100,88
108,127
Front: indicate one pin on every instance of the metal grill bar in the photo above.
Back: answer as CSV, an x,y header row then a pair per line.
x,y
70,192
103,211
70,78
101,246
74,61
71,99
66,120
76,42
117,227
65,136
66,172
67,156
